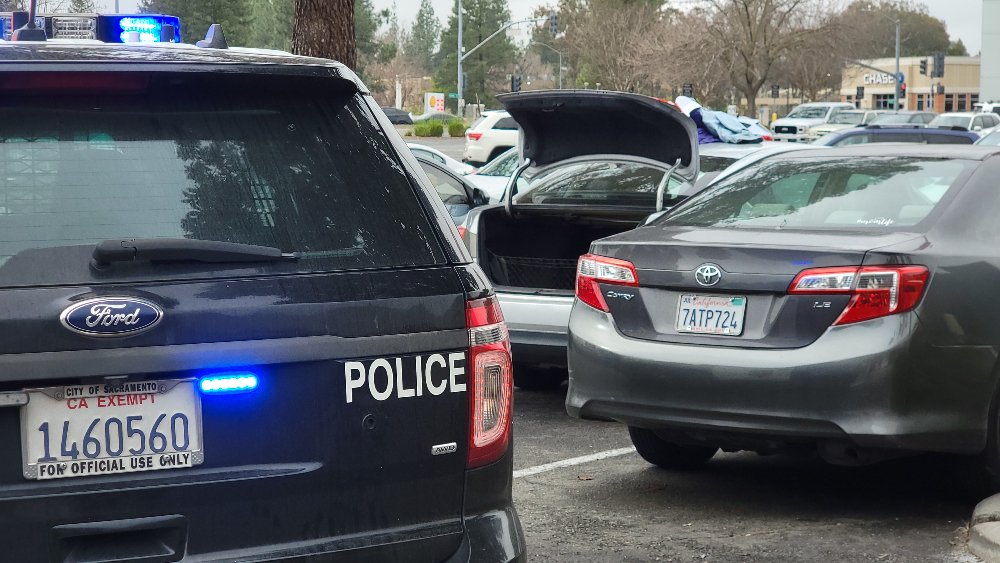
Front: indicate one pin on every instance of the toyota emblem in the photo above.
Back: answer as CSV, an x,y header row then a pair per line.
x,y
708,274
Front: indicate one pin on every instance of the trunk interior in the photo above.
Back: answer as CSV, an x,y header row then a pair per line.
x,y
539,250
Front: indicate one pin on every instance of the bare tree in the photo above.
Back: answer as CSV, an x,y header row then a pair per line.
x,y
325,28
682,57
754,35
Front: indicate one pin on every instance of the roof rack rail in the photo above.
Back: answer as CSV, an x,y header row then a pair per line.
x,y
214,39
30,30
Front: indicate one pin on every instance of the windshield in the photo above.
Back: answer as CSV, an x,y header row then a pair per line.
x,y
949,121
839,194
304,172
708,164
892,118
503,165
848,118
600,183
992,140
809,112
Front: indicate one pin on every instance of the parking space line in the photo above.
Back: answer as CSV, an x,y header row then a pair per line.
x,y
571,462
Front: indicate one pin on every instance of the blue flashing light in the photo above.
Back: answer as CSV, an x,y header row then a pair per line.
x,y
235,382
148,27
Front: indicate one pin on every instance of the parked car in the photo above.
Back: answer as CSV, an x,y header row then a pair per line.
x,y
435,116
432,154
992,139
494,133
902,119
397,116
815,302
845,120
873,134
457,194
987,107
796,125
980,123
598,166
493,177
237,322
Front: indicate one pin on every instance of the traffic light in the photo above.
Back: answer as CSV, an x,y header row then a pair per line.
x,y
553,23
923,67
938,65
515,83
902,90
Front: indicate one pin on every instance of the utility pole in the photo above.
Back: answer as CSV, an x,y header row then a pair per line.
x,y
897,80
459,84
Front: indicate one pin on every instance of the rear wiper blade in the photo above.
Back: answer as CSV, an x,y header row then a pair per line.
x,y
184,250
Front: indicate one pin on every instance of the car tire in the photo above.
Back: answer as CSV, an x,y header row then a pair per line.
x,y
669,455
533,378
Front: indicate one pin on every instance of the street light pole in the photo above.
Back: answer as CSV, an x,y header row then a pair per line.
x,y
558,52
896,81
458,85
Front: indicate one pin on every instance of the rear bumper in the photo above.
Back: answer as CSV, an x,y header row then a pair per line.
x,y
872,385
475,152
538,327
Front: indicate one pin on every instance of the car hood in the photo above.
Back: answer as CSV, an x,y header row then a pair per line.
x,y
831,127
558,125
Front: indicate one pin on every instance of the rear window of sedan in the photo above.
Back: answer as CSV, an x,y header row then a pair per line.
x,y
829,194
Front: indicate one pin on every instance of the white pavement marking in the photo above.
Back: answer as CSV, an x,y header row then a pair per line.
x,y
571,462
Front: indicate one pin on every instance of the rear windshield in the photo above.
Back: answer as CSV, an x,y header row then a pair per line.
x,y
598,183
949,121
708,164
306,173
848,118
893,118
838,194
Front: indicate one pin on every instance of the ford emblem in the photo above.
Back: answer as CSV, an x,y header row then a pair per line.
x,y
111,316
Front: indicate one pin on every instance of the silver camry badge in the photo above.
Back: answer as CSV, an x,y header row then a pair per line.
x,y
708,274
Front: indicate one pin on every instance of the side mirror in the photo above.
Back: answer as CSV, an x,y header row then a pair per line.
x,y
977,128
479,197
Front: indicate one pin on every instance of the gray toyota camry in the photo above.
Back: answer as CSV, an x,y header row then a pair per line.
x,y
837,301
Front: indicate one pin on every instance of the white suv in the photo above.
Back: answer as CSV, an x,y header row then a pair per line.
x,y
490,136
796,125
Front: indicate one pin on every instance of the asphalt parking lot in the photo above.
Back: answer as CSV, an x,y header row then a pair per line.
x,y
742,507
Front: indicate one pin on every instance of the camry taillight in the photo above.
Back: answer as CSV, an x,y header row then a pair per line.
x,y
474,136
490,382
592,270
876,291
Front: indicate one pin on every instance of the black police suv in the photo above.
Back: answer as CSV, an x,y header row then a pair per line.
x,y
236,324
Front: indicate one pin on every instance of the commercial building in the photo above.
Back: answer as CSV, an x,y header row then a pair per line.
x,y
957,90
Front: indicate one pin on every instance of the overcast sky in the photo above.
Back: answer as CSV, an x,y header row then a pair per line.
x,y
963,17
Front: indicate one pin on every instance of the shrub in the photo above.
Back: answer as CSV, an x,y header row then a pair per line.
x,y
457,128
429,128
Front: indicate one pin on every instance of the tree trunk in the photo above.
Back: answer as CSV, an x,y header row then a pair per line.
x,y
325,28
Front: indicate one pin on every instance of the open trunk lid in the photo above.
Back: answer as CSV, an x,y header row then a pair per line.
x,y
558,125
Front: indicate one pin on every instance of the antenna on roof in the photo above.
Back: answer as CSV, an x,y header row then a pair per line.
x,y
30,31
214,39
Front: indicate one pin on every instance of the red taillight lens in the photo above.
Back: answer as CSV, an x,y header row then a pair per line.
x,y
767,138
490,382
592,270
474,136
461,232
876,291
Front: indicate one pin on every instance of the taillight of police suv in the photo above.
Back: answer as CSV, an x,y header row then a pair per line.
x,y
490,382
592,270
876,291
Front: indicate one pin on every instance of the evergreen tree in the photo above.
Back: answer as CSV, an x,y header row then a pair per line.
x,y
488,69
271,24
197,15
82,6
421,43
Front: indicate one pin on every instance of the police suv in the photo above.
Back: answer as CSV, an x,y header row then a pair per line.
x,y
236,323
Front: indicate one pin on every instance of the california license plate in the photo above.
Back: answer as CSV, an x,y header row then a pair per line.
x,y
110,428
711,314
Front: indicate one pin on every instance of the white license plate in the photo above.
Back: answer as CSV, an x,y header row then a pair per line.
x,y
109,428
711,314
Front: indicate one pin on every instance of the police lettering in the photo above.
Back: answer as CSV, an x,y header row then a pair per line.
x,y
406,377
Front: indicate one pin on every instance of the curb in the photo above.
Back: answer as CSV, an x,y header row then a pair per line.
x,y
984,531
